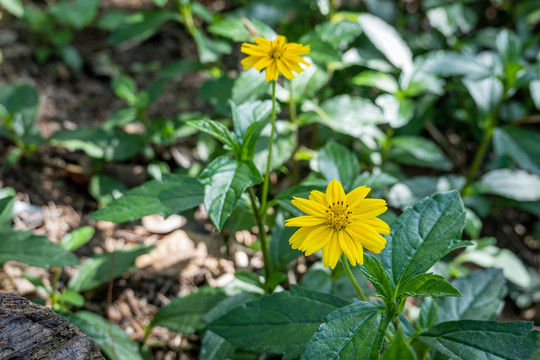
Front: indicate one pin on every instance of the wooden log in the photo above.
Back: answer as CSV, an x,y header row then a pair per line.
x,y
31,331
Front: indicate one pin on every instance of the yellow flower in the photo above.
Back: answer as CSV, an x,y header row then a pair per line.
x,y
276,56
339,223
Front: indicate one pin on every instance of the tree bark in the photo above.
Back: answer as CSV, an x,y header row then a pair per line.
x,y
31,331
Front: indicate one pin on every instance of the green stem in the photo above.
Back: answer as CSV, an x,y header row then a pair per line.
x,y
54,286
482,149
386,144
185,10
270,143
351,277
262,233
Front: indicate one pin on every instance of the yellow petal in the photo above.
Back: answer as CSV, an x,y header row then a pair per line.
x,y
367,236
292,65
263,43
309,207
369,208
262,63
271,72
299,236
305,221
352,249
316,239
334,192
250,61
332,252
380,226
254,50
284,70
318,196
357,195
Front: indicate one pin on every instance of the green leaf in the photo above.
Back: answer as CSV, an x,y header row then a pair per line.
x,y
337,162
483,292
355,331
210,50
99,143
429,314
387,40
248,86
534,88
379,80
399,349
7,200
72,298
423,234
241,29
248,114
105,189
486,93
280,323
345,114
20,104
491,256
185,314
219,131
429,284
282,149
379,277
281,253
214,347
514,184
179,68
119,346
125,88
469,339
509,47
77,238
172,195
522,145
15,7
120,118
417,150
374,180
410,191
397,111
77,14
33,250
140,26
97,270
305,85
456,64
225,180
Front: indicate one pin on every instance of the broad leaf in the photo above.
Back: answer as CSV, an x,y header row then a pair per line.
x,y
140,26
429,314
337,162
281,253
33,250
118,346
410,191
483,292
241,29
249,85
98,270
385,38
486,93
355,331
77,238
522,145
15,7
125,88
100,144
281,323
379,80
173,194
379,277
423,234
345,114
282,149
219,131
416,150
428,285
470,339
214,347
397,111
185,314
225,180
514,184
7,200
399,349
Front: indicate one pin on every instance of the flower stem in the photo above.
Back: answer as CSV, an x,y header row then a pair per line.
x,y
481,152
262,233
270,143
351,277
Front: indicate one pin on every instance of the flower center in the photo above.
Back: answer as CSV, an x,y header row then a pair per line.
x,y
338,215
277,52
